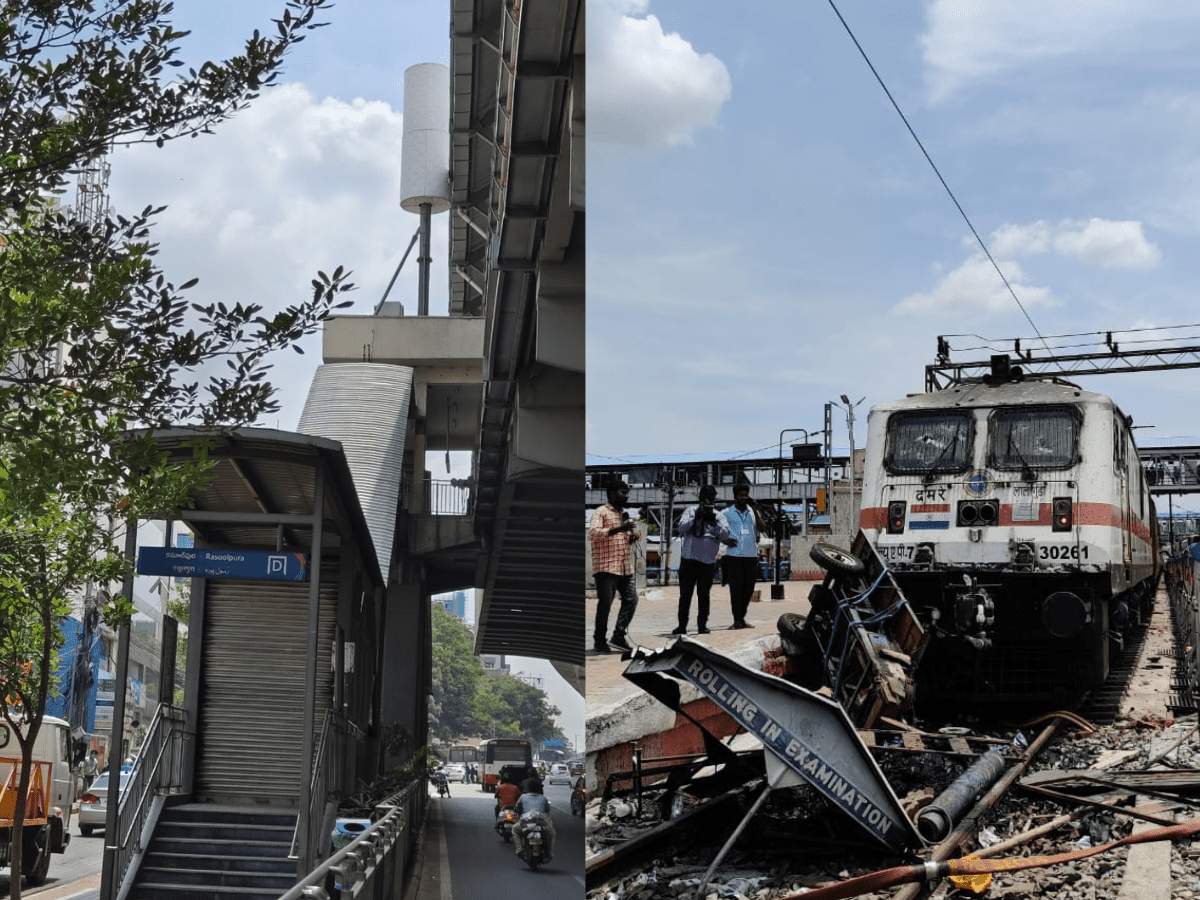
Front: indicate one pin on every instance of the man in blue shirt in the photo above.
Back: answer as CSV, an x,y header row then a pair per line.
x,y
534,801
741,560
703,530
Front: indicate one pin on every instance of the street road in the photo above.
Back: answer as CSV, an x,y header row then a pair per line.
x,y
481,866
72,872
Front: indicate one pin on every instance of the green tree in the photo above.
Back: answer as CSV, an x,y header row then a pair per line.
x,y
517,709
457,674
95,341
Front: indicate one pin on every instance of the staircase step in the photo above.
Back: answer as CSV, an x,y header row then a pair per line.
x,y
226,831
220,847
207,813
279,882
217,863
154,890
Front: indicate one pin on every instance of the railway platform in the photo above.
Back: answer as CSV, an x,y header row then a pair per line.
x,y
620,714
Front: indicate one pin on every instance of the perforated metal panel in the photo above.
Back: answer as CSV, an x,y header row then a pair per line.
x,y
364,406
250,747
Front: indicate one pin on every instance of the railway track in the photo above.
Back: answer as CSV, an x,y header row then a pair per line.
x,y
1102,706
1137,692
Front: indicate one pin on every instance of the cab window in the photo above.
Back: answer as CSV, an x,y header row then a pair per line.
x,y
1041,437
925,442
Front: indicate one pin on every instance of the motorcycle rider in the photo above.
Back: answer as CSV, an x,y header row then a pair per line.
x,y
443,783
506,792
534,801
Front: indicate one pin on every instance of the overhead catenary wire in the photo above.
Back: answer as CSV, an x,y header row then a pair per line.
x,y
1099,339
936,171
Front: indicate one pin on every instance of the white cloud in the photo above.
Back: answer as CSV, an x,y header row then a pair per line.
x,y
647,88
1009,240
973,286
290,186
1108,244
968,42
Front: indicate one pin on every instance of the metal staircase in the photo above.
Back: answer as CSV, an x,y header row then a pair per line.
x,y
201,851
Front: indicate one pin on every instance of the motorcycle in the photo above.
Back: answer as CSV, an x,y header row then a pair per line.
x,y
534,849
443,786
505,820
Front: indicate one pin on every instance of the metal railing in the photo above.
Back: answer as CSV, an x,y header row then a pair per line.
x,y
157,770
327,763
449,498
375,863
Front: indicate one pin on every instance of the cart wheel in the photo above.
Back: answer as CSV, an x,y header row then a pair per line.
x,y
836,560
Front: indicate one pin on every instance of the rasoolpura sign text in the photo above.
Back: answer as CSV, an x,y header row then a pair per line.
x,y
253,564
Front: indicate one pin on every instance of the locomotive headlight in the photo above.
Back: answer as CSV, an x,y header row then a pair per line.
x,y
1063,514
897,510
978,512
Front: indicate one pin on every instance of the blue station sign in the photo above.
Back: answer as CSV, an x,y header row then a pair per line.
x,y
252,564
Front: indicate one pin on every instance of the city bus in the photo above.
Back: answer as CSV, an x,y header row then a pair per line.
x,y
499,752
463,754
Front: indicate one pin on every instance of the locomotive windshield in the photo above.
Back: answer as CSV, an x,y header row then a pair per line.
x,y
929,442
1034,438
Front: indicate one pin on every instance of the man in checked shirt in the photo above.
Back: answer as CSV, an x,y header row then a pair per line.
x,y
612,532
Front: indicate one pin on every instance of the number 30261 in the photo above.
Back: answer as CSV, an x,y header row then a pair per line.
x,y
1062,551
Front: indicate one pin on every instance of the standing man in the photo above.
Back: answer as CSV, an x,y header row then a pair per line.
x,y
741,560
89,767
703,530
612,533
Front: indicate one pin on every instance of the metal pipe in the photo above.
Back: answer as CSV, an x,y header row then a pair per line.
x,y
307,854
423,261
637,774
403,259
966,827
110,879
737,832
935,820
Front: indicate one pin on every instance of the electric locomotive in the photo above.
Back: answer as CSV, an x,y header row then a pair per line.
x,y
1015,517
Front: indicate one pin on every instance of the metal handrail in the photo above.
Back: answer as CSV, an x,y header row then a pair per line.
x,y
145,781
381,854
318,787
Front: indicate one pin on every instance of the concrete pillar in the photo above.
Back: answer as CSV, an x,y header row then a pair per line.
x,y
406,654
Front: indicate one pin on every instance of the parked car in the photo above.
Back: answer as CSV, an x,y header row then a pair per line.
x,y
578,797
559,774
93,805
456,772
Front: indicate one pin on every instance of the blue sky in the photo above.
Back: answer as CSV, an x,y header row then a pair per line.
x,y
765,235
306,178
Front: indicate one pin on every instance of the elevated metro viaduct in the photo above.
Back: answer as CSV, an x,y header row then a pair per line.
x,y
500,376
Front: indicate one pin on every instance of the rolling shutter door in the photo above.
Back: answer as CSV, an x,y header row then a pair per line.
x,y
255,645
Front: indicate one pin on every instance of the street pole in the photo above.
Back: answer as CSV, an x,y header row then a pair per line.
x,y
664,535
777,587
850,426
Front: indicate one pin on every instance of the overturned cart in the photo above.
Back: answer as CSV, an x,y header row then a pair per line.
x,y
861,639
